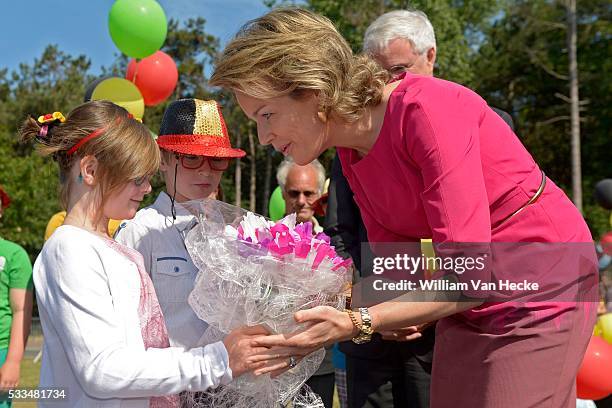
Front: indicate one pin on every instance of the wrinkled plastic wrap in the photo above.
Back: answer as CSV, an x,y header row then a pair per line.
x,y
253,271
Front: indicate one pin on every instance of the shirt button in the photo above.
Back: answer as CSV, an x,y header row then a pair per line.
x,y
176,269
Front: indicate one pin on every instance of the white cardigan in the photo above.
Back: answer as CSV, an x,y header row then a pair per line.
x,y
88,296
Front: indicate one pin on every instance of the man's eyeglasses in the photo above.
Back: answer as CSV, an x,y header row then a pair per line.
x,y
195,162
307,193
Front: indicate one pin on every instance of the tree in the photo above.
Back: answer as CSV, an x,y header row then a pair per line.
x,y
522,68
457,24
54,82
574,101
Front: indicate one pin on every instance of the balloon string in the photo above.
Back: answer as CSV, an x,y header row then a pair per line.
x,y
135,75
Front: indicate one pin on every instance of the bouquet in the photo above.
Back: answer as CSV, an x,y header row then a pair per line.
x,y
254,271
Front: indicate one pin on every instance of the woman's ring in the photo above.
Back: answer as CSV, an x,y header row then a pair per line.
x,y
292,362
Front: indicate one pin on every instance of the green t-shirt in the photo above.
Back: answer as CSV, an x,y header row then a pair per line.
x,y
15,273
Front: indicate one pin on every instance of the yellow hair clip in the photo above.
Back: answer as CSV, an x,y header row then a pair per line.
x,y
51,117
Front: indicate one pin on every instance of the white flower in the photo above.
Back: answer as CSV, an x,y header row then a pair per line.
x,y
250,224
289,221
231,232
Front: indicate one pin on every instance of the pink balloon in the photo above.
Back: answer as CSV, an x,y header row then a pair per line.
x,y
155,76
594,375
606,243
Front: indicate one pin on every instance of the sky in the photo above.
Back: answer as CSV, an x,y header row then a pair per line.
x,y
81,26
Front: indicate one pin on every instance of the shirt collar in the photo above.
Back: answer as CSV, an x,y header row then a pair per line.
x,y
184,219
316,227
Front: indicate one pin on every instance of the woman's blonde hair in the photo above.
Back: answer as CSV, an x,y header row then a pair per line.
x,y
289,51
124,148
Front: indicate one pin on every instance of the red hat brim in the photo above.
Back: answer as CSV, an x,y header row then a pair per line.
x,y
198,146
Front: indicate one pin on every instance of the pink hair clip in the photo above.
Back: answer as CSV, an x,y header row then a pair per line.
x,y
42,133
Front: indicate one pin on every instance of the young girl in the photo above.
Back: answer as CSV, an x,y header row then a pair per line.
x,y
106,342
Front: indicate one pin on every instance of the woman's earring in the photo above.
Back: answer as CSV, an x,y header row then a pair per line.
x,y
322,116
80,178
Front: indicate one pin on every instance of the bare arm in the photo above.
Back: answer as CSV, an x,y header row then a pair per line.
x,y
21,306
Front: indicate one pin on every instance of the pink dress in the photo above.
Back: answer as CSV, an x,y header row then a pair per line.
x,y
445,166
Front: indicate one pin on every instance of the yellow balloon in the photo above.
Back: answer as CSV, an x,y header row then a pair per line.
x,y
122,92
113,225
597,330
58,219
605,324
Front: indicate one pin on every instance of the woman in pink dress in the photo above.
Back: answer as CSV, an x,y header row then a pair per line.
x,y
425,158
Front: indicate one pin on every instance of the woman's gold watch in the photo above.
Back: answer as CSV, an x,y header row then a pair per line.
x,y
365,328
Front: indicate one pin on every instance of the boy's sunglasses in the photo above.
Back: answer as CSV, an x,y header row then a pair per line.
x,y
195,162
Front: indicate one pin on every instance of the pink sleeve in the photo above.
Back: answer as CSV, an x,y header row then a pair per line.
x,y
443,142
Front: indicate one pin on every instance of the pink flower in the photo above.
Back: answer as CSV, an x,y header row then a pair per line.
x,y
323,250
304,230
302,249
283,242
339,263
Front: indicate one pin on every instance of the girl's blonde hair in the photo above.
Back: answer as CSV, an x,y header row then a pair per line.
x,y
124,148
290,51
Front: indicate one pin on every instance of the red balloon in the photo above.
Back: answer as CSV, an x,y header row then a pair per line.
x,y
594,374
606,243
155,76
584,392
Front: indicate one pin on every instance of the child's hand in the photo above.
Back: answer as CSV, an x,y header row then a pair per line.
x,y
239,346
9,375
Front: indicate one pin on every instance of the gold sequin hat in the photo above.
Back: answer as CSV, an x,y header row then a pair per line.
x,y
194,126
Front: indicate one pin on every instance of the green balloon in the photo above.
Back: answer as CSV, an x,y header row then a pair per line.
x,y
138,27
276,207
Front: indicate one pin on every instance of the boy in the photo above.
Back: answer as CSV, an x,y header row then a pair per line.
x,y
195,150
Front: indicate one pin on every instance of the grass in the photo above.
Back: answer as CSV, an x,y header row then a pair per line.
x,y
30,372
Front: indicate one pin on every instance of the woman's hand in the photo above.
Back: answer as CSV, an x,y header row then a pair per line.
x,y
324,326
240,346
